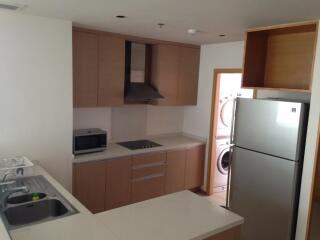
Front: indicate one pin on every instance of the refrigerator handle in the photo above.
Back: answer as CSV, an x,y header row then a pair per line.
x,y
232,145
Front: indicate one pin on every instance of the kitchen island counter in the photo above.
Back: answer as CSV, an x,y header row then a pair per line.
x,y
178,216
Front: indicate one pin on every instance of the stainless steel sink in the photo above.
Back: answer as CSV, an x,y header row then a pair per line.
x,y
32,212
42,203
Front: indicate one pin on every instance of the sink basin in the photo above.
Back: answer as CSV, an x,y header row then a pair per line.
x,y
43,203
33,212
25,198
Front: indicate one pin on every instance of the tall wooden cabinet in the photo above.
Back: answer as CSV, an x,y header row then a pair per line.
x,y
85,69
175,73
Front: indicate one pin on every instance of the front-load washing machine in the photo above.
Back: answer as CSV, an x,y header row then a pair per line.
x,y
222,164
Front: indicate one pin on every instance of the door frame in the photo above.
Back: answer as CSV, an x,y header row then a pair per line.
x,y
213,124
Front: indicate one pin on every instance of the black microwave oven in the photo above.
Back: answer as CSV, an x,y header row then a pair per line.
x,y
89,140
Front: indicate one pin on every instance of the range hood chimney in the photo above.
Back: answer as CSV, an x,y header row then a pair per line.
x,y
138,86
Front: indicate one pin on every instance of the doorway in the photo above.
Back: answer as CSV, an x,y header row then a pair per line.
x,y
226,87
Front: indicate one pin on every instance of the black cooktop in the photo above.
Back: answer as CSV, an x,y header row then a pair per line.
x,y
139,144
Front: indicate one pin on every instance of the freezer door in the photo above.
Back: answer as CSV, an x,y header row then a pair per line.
x,y
271,127
263,190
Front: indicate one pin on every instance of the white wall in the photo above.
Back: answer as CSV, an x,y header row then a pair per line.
x,y
213,56
92,118
164,120
36,91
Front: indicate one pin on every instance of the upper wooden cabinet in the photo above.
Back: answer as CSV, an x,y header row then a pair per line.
x,y
85,69
98,68
111,71
280,57
175,73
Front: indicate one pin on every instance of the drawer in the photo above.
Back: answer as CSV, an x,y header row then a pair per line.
x,y
149,170
147,188
144,159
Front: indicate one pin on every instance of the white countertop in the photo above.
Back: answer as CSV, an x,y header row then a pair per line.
x,y
179,216
115,151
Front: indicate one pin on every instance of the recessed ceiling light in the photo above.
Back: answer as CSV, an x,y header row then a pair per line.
x,y
222,35
121,16
192,31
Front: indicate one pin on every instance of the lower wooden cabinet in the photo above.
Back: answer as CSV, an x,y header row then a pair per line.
x,y
148,176
108,184
231,234
147,188
175,174
195,167
118,182
89,184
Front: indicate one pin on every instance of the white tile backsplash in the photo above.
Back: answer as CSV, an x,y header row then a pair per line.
x,y
131,121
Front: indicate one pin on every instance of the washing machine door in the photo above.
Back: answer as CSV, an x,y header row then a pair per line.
x,y
224,161
226,113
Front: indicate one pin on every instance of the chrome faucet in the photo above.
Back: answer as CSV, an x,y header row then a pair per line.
x,y
6,193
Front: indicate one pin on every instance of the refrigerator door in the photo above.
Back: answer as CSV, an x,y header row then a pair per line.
x,y
269,126
263,191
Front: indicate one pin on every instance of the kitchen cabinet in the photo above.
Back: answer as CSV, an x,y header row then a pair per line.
x,y
175,73
231,234
280,57
85,69
89,184
188,76
118,182
194,167
111,71
148,176
107,184
175,174
99,63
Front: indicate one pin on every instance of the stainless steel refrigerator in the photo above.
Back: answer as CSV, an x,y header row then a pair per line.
x,y
266,166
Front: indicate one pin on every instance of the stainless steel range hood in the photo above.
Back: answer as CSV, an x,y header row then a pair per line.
x,y
138,86
141,92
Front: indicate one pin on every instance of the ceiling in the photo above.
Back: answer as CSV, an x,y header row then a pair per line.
x,y
210,17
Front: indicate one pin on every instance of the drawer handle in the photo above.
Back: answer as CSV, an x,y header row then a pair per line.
x,y
148,177
148,165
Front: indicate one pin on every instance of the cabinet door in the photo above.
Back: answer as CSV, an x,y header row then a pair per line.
x,y
89,184
118,186
188,76
195,167
85,69
175,175
165,72
111,71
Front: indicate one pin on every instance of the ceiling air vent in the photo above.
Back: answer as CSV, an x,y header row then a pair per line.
x,y
11,6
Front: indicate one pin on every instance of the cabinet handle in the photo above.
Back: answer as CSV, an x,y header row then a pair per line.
x,y
148,177
149,165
